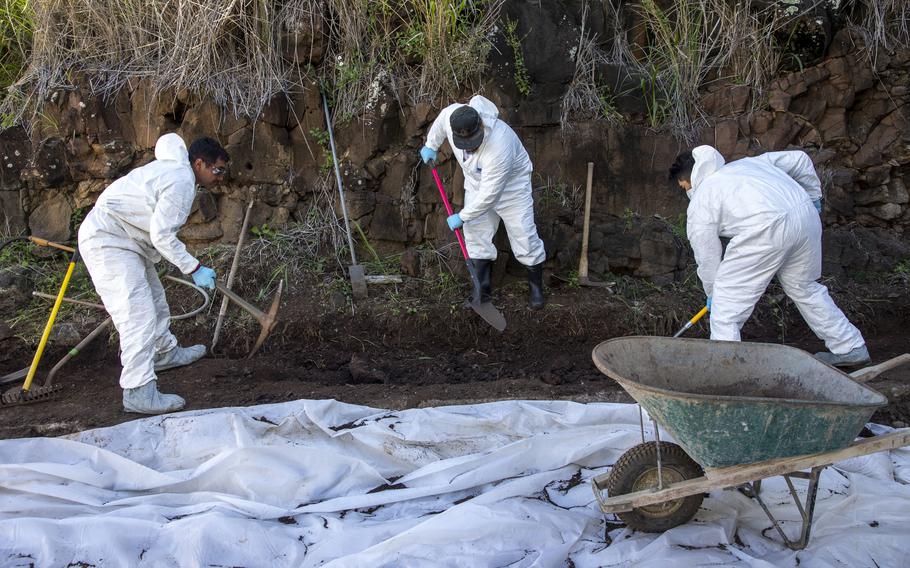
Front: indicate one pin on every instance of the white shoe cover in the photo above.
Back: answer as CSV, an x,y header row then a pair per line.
x,y
178,357
854,358
147,400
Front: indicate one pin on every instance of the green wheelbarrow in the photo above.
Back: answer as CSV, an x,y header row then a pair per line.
x,y
739,412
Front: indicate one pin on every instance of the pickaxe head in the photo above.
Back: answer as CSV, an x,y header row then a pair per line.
x,y
267,320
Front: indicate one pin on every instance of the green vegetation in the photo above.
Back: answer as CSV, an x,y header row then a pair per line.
x,y
522,77
17,25
264,232
678,226
901,273
549,192
377,264
628,217
42,270
77,217
321,137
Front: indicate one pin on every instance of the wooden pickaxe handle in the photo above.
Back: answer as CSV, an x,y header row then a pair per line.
x,y
46,243
256,312
267,321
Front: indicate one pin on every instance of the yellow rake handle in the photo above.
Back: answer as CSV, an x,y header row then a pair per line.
x,y
692,321
50,323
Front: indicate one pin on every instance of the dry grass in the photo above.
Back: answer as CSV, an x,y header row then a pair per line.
x,y
230,50
424,49
588,96
883,24
317,236
227,49
415,50
692,43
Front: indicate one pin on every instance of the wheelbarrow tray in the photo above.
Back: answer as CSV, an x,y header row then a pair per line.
x,y
731,403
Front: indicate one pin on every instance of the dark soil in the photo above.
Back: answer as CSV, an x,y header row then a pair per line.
x,y
400,351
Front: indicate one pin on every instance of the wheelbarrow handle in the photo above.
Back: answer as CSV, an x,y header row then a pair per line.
x,y
869,373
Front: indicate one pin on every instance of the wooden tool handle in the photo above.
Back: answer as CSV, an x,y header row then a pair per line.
x,y
869,373
583,261
46,243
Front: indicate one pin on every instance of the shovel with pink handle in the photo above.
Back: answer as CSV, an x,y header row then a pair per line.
x,y
486,310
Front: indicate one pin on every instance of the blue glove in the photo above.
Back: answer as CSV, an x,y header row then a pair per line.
x,y
204,277
427,154
454,221
708,303
818,204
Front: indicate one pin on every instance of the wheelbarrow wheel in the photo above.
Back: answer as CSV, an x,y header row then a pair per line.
x,y
636,470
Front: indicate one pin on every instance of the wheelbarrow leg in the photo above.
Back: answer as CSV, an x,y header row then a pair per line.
x,y
806,511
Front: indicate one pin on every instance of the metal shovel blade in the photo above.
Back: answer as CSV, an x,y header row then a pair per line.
x,y
486,310
358,281
490,314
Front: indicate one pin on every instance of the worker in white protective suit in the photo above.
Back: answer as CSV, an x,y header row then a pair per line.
x,y
768,206
133,225
497,172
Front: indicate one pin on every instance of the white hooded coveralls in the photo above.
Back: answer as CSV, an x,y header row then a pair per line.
x,y
133,224
497,185
764,205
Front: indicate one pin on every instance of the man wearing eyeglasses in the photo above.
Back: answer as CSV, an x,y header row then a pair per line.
x,y
133,225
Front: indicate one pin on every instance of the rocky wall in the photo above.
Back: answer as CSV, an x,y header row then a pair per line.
x,y
850,116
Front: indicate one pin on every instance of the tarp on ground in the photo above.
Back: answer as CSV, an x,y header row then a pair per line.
x,y
322,483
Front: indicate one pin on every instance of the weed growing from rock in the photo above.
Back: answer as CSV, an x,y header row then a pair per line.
x,y
522,77
587,96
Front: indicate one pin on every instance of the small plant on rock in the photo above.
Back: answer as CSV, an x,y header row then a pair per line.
x,y
322,138
522,77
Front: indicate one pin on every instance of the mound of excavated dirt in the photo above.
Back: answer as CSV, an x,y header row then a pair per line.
x,y
399,351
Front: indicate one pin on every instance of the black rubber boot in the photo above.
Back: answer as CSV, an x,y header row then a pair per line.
x,y
535,287
484,270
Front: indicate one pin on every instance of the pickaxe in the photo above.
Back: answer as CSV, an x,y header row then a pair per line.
x,y
267,321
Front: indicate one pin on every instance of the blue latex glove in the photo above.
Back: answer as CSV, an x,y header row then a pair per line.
x,y
818,204
708,303
204,277
454,221
427,154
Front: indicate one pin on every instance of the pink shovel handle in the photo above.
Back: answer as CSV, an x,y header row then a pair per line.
x,y
445,200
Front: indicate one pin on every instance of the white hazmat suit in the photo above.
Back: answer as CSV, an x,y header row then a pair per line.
x,y
133,224
497,186
764,205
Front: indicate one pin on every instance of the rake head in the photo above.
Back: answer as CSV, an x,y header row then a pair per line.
x,y
16,396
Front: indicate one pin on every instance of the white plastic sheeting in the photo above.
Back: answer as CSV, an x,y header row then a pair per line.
x,y
322,483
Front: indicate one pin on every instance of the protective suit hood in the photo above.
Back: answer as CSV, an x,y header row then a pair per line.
x,y
707,161
171,147
485,108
